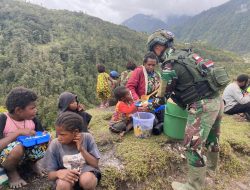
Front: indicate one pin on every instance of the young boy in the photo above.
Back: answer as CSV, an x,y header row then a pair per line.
x,y
20,120
72,158
69,102
121,121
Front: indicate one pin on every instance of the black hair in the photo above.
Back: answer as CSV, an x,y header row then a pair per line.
x,y
70,121
100,68
19,97
149,55
120,92
242,78
131,66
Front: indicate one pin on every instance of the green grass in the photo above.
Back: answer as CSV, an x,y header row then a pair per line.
x,y
149,164
237,134
148,159
235,146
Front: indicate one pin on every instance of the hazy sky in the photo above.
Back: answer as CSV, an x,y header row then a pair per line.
x,y
117,11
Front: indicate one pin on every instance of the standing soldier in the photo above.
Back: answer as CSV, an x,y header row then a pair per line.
x,y
188,80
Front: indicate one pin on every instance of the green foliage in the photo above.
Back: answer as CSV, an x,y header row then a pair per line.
x,y
53,51
2,109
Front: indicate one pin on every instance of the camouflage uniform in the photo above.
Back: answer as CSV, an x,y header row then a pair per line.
x,y
203,129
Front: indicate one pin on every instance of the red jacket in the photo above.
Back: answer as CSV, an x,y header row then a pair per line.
x,y
123,112
138,83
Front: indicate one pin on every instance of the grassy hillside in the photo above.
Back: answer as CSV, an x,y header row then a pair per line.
x,y
225,26
153,163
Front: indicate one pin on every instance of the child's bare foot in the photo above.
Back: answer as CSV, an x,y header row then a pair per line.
x,y
122,134
15,181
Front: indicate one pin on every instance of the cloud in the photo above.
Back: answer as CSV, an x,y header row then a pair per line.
x,y
117,11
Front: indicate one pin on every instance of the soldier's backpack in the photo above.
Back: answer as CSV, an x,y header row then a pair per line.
x,y
207,77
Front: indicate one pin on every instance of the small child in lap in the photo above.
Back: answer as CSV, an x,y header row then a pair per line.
x,y
72,158
121,121
69,102
19,120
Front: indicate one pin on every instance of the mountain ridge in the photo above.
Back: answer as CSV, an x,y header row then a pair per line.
x,y
148,23
144,23
226,26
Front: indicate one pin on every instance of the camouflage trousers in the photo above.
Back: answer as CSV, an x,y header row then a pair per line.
x,y
203,130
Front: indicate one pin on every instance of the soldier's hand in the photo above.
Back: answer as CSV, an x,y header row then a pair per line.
x,y
168,75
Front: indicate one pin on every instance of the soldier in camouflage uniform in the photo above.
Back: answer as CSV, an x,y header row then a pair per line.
x,y
203,123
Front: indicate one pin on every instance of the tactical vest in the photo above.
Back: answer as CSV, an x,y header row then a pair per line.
x,y
207,79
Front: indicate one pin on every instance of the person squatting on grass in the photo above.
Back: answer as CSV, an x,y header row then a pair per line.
x,y
236,98
19,120
69,102
121,121
72,158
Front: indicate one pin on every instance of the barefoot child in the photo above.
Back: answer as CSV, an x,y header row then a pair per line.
x,y
72,158
69,102
121,121
19,120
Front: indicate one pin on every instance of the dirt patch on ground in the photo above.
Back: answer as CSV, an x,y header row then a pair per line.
x,y
34,182
109,159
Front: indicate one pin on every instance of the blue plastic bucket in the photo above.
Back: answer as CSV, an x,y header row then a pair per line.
x,y
143,124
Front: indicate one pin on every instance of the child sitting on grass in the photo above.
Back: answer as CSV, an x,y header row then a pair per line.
x,y
72,158
69,102
20,120
121,121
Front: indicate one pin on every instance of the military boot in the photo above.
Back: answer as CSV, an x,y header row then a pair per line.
x,y
196,179
212,160
212,163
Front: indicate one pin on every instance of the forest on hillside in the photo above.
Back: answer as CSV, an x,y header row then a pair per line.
x,y
53,51
225,26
